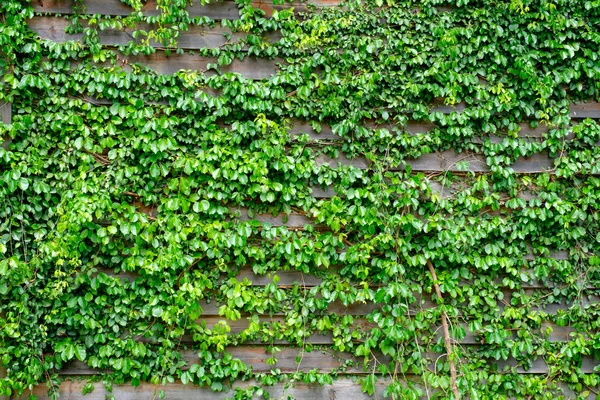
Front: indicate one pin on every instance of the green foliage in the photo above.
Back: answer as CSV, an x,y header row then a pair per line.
x,y
124,195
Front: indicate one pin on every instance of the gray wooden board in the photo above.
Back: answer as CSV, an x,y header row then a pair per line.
x,y
557,334
217,10
590,109
291,277
196,37
324,361
257,357
250,67
341,389
344,388
411,127
449,160
6,112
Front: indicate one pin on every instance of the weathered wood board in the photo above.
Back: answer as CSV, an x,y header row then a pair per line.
x,y
6,112
341,389
216,10
196,37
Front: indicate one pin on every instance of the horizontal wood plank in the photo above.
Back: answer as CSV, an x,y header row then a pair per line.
x,y
590,109
216,10
6,112
449,160
250,67
341,389
196,37
557,334
256,357
324,361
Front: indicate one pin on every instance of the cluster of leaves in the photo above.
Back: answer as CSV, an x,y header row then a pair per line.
x,y
133,202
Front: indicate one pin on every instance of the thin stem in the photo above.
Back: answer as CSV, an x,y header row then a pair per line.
x,y
446,332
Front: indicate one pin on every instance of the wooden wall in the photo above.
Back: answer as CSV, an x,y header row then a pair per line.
x,y
51,26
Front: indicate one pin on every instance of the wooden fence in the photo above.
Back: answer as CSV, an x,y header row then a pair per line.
x,y
50,25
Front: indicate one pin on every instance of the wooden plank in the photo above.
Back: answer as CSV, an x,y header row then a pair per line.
x,y
539,366
449,160
337,307
6,112
341,389
411,127
250,67
256,357
323,361
293,220
196,37
589,109
558,333
286,278
217,10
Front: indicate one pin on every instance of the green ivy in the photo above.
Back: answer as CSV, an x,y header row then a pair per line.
x,y
122,193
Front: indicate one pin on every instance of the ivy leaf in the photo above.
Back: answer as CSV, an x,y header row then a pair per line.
x,y
157,312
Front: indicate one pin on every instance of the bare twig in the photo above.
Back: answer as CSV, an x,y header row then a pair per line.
x,y
446,332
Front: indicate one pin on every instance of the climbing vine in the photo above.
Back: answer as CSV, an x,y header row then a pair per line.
x,y
131,201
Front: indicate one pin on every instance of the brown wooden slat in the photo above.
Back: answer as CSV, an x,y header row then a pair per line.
x,y
321,360
341,389
357,309
414,127
589,109
6,112
558,334
251,68
293,220
449,161
411,127
196,37
256,357
217,10
539,366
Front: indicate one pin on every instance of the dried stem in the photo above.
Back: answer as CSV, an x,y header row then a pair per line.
x,y
446,332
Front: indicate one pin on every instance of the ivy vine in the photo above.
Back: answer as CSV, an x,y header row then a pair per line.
x,y
110,170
